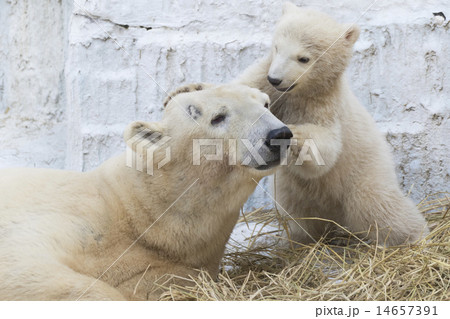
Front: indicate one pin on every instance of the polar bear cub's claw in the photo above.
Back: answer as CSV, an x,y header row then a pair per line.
x,y
185,89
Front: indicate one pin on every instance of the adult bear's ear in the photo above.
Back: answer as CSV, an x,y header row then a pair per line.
x,y
288,7
139,131
351,34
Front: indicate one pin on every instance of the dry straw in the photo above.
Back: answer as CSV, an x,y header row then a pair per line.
x,y
330,270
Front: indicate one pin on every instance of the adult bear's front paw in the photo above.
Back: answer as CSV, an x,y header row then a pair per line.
x,y
186,88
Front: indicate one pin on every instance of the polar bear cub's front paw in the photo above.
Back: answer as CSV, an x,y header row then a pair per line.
x,y
297,141
186,88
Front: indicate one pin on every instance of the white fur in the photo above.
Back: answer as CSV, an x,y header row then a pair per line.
x,y
357,187
61,230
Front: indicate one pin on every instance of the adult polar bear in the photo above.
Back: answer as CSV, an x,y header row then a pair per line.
x,y
60,230
357,186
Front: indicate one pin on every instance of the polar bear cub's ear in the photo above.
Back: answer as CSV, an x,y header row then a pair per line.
x,y
138,131
288,7
351,34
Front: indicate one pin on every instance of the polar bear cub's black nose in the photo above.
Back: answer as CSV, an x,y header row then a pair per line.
x,y
273,81
283,133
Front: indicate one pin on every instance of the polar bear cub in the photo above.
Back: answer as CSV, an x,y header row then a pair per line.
x,y
115,232
355,185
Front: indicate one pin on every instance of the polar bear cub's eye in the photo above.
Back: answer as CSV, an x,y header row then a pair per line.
x,y
218,119
266,105
303,59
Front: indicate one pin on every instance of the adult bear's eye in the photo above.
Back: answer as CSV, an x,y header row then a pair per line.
x,y
218,119
303,59
266,105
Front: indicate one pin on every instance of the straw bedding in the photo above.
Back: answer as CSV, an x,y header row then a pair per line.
x,y
345,268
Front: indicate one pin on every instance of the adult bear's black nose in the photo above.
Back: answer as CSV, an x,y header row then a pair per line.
x,y
273,81
283,133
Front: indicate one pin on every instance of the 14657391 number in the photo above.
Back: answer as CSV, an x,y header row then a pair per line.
x,y
406,311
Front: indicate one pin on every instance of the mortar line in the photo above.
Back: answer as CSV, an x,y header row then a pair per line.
x,y
130,56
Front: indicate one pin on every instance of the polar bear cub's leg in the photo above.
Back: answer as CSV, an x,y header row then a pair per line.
x,y
305,219
393,218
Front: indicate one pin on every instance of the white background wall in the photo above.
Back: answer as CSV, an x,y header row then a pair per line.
x,y
67,90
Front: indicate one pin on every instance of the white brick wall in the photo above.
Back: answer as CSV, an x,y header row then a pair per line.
x,y
67,90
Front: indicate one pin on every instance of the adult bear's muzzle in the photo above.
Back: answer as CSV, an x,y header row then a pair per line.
x,y
274,137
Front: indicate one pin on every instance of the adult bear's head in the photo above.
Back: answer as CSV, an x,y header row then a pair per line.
x,y
226,125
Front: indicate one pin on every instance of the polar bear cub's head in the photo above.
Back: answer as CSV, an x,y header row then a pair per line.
x,y
309,50
227,125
